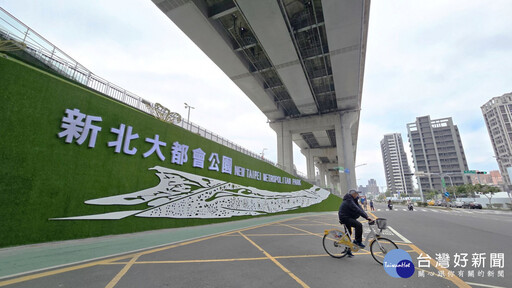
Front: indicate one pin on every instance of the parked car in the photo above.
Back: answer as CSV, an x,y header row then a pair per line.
x,y
465,205
438,203
458,204
431,203
447,204
475,205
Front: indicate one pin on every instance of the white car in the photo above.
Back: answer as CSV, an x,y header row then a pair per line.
x,y
458,204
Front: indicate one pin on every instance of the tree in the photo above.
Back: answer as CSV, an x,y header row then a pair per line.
x,y
471,189
462,189
489,190
431,194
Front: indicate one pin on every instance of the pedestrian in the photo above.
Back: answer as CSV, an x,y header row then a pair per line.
x,y
371,205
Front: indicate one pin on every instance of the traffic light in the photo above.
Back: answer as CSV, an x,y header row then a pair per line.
x,y
481,172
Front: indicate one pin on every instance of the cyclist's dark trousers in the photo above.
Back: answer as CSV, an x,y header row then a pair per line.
x,y
357,225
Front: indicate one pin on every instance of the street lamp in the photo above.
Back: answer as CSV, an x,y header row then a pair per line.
x,y
188,117
355,171
504,156
451,182
263,153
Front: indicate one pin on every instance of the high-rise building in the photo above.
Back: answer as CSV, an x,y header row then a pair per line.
x,y
437,151
362,189
398,173
372,187
498,119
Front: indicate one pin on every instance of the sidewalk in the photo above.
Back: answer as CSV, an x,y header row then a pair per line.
x,y
31,258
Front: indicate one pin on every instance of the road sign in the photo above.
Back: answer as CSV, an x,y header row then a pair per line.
x,y
444,183
347,170
446,194
340,168
481,172
469,171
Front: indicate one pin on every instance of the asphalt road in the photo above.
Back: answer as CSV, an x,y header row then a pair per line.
x,y
289,253
457,231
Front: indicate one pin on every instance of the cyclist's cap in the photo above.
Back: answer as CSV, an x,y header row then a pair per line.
x,y
354,191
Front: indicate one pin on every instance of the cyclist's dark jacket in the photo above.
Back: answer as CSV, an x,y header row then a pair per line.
x,y
350,208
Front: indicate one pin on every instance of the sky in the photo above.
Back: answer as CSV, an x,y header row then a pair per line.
x,y
439,58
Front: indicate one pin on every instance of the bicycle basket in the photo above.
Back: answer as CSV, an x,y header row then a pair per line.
x,y
382,223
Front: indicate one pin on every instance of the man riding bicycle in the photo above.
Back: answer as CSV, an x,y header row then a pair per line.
x,y
349,211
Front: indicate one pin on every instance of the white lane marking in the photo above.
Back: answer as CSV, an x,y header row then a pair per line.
x,y
404,209
399,235
424,210
483,285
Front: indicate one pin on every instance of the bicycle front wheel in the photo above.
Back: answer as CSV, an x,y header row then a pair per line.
x,y
332,245
380,247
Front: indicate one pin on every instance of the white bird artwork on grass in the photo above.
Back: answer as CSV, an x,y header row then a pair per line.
x,y
184,195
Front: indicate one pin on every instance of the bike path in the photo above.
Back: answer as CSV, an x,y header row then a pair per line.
x,y
284,252
32,258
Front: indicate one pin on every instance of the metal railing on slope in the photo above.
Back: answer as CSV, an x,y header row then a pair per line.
x,y
36,45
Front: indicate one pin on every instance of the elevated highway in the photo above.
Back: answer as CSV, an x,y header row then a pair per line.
x,y
301,63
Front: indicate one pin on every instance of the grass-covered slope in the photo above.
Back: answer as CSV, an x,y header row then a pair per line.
x,y
43,177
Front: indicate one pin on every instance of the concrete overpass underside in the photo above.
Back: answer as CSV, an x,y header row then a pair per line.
x,y
301,63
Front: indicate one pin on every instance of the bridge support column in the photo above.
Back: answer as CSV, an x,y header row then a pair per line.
x,y
335,184
284,147
346,150
310,163
311,153
321,169
328,180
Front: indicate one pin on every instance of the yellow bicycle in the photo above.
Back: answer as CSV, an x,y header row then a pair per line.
x,y
338,243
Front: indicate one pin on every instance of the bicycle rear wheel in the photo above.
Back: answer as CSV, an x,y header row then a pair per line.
x,y
331,245
380,247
